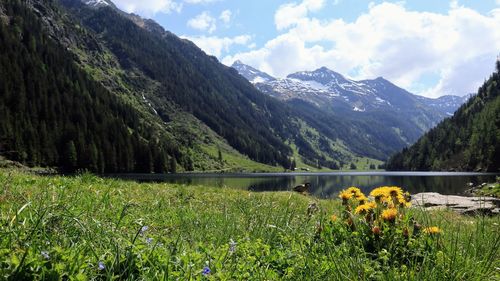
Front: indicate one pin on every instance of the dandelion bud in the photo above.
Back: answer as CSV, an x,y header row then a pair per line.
x,y
376,230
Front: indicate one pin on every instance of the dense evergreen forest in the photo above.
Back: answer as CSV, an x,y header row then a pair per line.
x,y
53,114
250,121
468,141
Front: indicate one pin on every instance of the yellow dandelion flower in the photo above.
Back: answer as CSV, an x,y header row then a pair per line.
x,y
345,195
363,209
432,230
380,192
354,190
389,214
394,191
334,218
361,197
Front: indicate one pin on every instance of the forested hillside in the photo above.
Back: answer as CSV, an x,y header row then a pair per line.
x,y
251,122
53,114
468,141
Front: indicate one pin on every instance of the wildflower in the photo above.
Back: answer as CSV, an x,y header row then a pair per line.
x,y
363,209
354,190
389,214
432,230
45,254
394,191
149,240
376,230
334,218
232,246
101,265
206,271
361,198
345,195
379,193
407,196
144,229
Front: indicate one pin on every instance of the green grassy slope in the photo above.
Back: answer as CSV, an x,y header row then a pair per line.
x,y
85,227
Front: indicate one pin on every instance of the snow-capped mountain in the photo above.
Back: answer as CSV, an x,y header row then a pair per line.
x,y
99,3
251,74
448,104
329,89
376,101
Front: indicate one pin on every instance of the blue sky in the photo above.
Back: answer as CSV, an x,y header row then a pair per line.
x,y
429,47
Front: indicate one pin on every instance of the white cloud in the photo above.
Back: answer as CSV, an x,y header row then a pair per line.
x,y
214,45
200,1
289,14
225,16
149,7
403,46
204,22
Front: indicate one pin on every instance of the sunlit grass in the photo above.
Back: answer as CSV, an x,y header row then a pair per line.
x,y
86,227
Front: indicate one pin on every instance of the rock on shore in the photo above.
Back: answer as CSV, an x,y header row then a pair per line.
x,y
460,204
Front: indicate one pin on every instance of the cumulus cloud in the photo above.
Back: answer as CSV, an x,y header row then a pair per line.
x,y
203,22
225,16
404,46
149,7
214,45
289,14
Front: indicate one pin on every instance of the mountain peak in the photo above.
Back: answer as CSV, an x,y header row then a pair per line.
x,y
237,62
321,75
251,74
98,3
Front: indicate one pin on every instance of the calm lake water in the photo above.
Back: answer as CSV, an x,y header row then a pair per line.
x,y
326,185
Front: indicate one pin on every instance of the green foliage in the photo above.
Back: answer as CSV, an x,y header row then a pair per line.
x,y
85,227
53,114
251,122
468,141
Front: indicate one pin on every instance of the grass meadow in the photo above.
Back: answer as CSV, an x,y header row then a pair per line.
x,y
88,228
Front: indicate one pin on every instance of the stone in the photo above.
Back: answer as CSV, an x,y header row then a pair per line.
x,y
460,204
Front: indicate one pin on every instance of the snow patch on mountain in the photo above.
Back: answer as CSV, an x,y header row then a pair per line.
x,y
98,3
326,87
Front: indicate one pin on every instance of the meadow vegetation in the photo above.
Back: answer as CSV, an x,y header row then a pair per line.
x,y
85,227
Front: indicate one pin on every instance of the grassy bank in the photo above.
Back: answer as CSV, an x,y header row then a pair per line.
x,y
489,189
86,227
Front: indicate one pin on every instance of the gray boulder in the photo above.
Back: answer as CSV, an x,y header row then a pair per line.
x,y
460,204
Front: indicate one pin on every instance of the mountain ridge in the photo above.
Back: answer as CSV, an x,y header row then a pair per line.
x,y
371,99
467,141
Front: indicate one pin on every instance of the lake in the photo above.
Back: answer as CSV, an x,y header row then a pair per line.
x,y
326,185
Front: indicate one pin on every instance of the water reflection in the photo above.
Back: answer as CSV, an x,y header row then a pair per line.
x,y
327,185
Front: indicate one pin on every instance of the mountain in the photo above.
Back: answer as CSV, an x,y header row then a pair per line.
x,y
109,91
159,93
327,88
251,74
55,114
446,104
99,3
377,100
467,141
